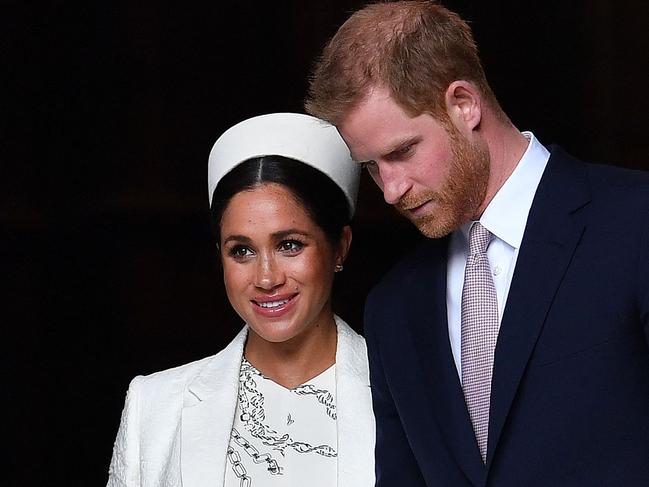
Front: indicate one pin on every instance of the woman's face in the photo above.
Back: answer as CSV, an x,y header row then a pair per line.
x,y
278,266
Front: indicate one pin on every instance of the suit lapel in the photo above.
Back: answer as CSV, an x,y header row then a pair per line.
x,y
207,416
554,227
355,422
430,325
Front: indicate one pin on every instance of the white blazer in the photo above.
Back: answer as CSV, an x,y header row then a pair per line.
x,y
176,424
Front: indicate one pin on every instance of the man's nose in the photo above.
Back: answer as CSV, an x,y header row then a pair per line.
x,y
392,181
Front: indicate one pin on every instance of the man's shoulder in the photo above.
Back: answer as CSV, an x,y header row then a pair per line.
x,y
629,183
618,190
612,193
604,176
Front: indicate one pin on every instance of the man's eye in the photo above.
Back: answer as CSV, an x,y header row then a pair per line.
x,y
290,246
369,165
402,151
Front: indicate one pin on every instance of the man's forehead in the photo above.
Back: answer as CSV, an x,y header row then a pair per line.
x,y
356,148
369,144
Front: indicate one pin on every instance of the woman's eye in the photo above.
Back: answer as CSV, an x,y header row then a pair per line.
x,y
291,246
240,252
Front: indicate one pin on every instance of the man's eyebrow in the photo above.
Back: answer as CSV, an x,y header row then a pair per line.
x,y
404,142
395,146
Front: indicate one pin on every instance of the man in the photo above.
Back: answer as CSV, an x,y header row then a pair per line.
x,y
511,349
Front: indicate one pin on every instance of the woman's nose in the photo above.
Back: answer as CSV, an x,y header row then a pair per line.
x,y
269,273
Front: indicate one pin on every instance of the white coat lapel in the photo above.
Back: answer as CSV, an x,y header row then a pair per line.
x,y
355,421
208,412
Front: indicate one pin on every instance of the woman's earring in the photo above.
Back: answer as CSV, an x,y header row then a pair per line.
x,y
338,268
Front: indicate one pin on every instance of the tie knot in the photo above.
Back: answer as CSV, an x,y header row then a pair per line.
x,y
479,238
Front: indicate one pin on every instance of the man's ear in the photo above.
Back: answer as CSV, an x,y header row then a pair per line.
x,y
464,105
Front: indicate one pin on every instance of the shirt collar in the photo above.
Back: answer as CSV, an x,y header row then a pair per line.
x,y
506,215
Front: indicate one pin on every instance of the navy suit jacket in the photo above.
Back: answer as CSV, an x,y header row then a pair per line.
x,y
570,387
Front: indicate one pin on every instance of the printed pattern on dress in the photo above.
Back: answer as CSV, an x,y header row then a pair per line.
x,y
258,442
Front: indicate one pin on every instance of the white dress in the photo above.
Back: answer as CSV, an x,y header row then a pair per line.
x,y
176,425
283,437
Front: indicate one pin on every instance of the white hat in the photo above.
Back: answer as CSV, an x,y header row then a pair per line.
x,y
294,135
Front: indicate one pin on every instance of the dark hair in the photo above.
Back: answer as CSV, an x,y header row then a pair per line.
x,y
323,200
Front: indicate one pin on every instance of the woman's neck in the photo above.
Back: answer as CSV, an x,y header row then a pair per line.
x,y
294,362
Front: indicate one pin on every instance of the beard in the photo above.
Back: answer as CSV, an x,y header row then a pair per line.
x,y
462,193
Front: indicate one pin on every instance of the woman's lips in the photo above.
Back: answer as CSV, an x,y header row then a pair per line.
x,y
274,306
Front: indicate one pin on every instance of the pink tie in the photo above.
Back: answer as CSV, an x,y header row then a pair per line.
x,y
479,333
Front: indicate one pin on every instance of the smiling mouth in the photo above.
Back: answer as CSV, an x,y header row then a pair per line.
x,y
272,304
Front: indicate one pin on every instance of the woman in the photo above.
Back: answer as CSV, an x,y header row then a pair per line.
x,y
287,402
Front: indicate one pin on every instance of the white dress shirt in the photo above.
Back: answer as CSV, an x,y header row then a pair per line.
x,y
505,218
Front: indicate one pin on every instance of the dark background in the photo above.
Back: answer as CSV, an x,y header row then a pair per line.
x,y
110,111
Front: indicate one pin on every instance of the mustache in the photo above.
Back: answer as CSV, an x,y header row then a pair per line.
x,y
410,201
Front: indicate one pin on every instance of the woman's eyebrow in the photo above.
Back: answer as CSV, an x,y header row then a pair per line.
x,y
291,231
237,238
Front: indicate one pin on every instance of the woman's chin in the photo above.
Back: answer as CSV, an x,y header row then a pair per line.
x,y
277,331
